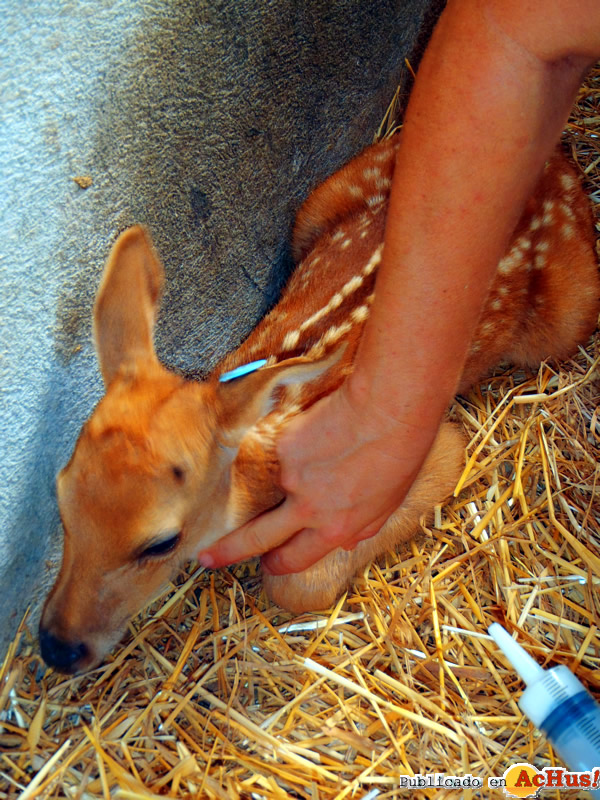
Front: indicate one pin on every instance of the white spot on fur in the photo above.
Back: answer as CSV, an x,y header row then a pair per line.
x,y
539,262
336,301
290,340
317,351
383,183
543,246
523,243
567,211
568,231
486,328
373,262
384,154
375,200
509,262
339,234
331,336
548,218
352,285
355,191
476,347
496,304
535,223
503,290
346,243
371,172
516,257
335,333
567,181
360,314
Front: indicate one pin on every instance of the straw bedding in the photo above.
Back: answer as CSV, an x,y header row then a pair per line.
x,y
217,694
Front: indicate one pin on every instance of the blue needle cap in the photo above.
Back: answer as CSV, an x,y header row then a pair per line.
x,y
245,369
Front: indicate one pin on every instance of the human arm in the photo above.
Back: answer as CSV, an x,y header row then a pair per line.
x,y
492,95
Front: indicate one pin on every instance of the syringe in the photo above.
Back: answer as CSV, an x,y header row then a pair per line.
x,y
558,704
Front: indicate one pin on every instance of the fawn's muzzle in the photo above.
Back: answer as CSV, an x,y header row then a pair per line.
x,y
62,656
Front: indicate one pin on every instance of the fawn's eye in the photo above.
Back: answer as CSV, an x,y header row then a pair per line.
x,y
161,548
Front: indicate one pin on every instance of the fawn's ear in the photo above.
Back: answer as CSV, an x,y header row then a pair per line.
x,y
126,303
244,401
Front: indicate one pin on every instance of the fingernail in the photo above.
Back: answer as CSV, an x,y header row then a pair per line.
x,y
206,560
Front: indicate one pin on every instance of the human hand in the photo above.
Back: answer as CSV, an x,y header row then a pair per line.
x,y
343,471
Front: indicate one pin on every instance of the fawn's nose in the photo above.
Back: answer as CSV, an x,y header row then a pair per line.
x,y
62,656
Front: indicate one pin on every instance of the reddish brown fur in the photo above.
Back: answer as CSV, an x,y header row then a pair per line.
x,y
542,312
162,455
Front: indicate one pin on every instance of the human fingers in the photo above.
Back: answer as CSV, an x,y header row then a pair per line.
x,y
365,533
310,545
299,552
263,533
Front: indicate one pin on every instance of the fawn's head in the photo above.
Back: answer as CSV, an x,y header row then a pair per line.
x,y
156,474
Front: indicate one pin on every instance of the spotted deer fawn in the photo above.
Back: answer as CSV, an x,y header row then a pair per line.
x,y
166,466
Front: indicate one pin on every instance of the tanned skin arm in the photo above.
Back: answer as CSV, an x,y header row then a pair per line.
x,y
492,95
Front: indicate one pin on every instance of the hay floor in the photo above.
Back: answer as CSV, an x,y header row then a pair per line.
x,y
217,694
